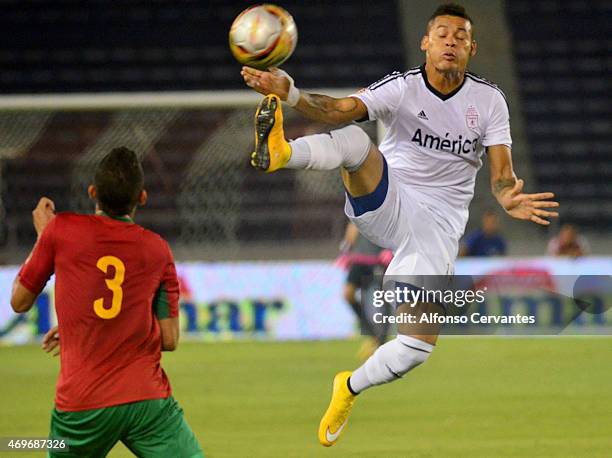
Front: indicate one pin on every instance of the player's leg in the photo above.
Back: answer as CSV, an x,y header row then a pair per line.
x,y
360,279
348,148
415,341
378,216
391,361
88,433
382,329
157,429
371,285
359,274
424,252
411,348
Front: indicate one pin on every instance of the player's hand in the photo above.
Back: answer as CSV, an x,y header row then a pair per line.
x,y
43,214
531,207
274,81
50,341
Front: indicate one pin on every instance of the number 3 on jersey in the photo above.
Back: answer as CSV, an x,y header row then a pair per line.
x,y
114,284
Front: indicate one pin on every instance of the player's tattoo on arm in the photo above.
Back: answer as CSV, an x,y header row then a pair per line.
x,y
328,104
503,183
501,188
329,109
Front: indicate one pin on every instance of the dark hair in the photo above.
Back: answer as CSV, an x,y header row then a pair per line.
x,y
449,9
119,179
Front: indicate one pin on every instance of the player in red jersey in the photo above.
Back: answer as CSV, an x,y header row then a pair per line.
x,y
116,297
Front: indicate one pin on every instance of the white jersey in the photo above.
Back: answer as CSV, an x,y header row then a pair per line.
x,y
434,142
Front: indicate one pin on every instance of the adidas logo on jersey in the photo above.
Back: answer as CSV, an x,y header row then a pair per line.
x,y
422,115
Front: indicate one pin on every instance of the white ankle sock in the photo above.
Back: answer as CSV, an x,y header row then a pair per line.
x,y
390,362
347,147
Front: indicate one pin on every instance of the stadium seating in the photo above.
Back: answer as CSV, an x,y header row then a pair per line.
x,y
176,45
198,192
563,55
44,169
173,45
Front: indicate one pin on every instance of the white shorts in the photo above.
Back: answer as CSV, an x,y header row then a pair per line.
x,y
421,243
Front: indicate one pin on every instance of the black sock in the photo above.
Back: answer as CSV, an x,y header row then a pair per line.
x,y
348,385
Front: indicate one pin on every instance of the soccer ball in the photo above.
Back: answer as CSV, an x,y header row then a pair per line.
x,y
263,36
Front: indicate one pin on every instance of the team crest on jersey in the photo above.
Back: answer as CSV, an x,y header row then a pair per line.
x,y
471,117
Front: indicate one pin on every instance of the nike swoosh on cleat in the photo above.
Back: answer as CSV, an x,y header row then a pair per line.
x,y
332,437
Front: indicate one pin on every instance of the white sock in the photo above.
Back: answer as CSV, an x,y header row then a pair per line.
x,y
390,362
347,147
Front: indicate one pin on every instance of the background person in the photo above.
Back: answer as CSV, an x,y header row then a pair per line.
x,y
568,243
486,240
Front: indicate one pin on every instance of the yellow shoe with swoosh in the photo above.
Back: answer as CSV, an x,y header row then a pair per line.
x,y
272,151
334,421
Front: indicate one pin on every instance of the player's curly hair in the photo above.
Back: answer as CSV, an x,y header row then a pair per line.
x,y
449,9
119,179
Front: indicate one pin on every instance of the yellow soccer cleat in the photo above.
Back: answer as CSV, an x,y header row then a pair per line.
x,y
335,418
272,151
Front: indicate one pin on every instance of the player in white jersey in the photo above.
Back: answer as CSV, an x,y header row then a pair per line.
x,y
411,194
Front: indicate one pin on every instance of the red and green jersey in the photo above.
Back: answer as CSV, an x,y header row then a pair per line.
x,y
113,280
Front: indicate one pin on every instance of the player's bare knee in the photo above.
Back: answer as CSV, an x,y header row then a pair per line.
x,y
365,178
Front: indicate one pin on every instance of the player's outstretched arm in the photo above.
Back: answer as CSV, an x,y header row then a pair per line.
x,y
507,189
318,107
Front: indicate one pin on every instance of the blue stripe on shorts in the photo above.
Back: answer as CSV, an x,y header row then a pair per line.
x,y
375,199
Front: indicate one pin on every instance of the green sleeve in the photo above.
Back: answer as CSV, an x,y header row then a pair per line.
x,y
161,306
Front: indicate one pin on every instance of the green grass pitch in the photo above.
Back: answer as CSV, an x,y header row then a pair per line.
x,y
475,397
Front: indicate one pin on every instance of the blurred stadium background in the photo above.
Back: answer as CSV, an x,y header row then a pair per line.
x,y
79,78
552,58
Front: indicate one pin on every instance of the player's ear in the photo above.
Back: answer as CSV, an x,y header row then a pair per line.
x,y
424,42
474,48
92,192
142,198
